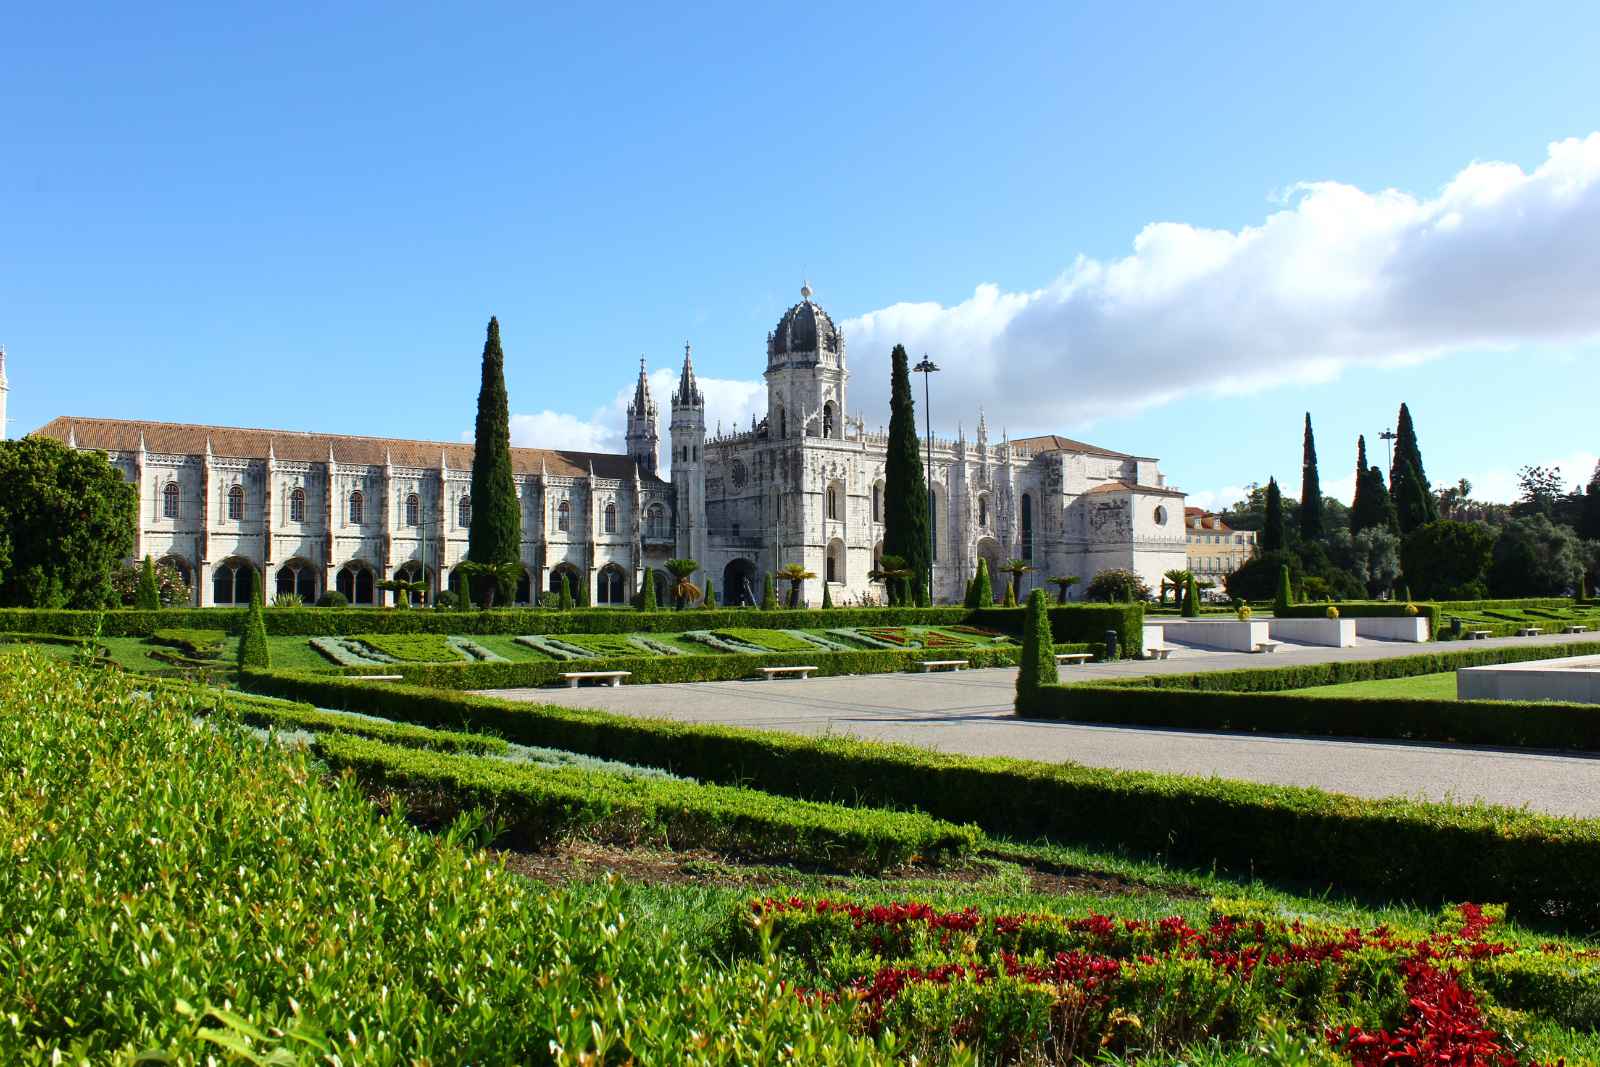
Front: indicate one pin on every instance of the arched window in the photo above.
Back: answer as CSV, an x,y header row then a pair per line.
x,y
1027,526
612,587
563,516
464,512
877,502
827,419
834,565
297,505
230,582
236,503
655,522
783,422
413,510
610,521
358,505
983,509
355,581
169,501
298,578
833,502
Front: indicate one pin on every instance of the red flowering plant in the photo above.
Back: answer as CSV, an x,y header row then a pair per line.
x,y
1053,988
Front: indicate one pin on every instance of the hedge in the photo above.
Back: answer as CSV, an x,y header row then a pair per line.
x,y
1366,609
534,805
1069,622
1307,675
1545,866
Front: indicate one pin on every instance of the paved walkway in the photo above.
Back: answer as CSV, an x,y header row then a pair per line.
x,y
970,712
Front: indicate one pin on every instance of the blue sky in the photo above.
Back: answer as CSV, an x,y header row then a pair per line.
x,y
302,218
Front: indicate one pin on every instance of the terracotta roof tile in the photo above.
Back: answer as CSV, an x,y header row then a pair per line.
x,y
122,435
1052,442
1128,487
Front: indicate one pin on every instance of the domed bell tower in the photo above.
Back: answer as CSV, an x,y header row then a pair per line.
x,y
688,462
806,373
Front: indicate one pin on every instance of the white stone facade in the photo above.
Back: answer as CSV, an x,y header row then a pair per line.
x,y
314,512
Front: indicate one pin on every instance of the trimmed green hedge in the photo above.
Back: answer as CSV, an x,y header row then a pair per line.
x,y
1069,622
1546,867
1366,609
535,805
1307,675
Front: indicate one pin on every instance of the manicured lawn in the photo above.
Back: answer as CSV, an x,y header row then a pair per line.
x,y
1420,687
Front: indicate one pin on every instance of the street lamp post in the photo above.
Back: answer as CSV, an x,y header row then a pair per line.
x,y
1388,437
926,368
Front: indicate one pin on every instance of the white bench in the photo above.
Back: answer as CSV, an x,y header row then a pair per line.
x,y
378,677
941,664
777,672
1157,653
1479,635
1267,646
1575,628
1530,631
611,678
1074,657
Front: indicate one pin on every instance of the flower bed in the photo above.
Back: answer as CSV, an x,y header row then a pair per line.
x,y
767,640
348,652
1065,988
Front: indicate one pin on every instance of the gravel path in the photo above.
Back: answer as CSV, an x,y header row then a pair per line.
x,y
970,712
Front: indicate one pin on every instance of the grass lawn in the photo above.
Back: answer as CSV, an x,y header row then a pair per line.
x,y
1440,686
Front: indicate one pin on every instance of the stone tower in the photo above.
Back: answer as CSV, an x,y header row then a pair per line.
x,y
643,441
688,462
806,373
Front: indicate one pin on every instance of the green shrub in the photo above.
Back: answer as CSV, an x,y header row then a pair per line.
x,y
769,594
534,805
647,596
190,890
1284,599
202,644
332,598
148,595
253,648
983,591
1545,866
603,644
412,648
1038,663
771,640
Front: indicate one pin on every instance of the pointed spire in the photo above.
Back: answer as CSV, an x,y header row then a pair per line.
x,y
641,394
688,391
388,457
272,451
208,445
141,440
72,436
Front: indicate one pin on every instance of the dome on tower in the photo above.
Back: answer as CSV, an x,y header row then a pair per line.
x,y
804,328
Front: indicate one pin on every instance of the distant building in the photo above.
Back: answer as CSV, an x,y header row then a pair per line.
x,y
1216,550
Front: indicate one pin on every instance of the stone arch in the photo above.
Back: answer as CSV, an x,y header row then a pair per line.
x,y
663,582
780,419
574,579
989,549
358,582
413,571
298,577
833,565
1026,524
230,581
179,564
830,420
836,501
739,585
611,585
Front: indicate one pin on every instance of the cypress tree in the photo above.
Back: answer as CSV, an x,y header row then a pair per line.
x,y
985,593
905,491
1311,523
1359,503
1191,598
1273,533
710,595
647,596
495,535
253,648
1589,517
1010,600
564,602
971,600
769,594
1285,598
148,597
1038,663
1415,504
827,597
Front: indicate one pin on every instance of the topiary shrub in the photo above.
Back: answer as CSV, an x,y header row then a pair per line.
x,y
647,596
253,650
984,595
1191,599
710,600
1243,612
827,597
1037,666
769,594
335,599
1284,599
1332,612
148,597
444,600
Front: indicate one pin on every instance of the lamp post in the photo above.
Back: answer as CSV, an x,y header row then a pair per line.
x,y
926,368
1388,437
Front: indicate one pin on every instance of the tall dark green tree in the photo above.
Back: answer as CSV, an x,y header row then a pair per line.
x,y
148,598
66,522
1311,522
1415,506
1589,517
1360,507
1273,533
496,532
905,491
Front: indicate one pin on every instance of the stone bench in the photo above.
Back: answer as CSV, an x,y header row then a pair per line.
x,y
1267,646
1530,631
1074,657
1157,653
941,664
1575,628
611,678
778,672
1479,635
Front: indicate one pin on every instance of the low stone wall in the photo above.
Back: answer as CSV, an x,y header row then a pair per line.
x,y
1400,628
1334,633
1576,679
1227,636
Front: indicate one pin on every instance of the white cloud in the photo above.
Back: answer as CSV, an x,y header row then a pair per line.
x,y
556,429
1499,484
1339,277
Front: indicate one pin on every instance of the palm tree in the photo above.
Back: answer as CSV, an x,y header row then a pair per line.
x,y
684,591
1063,582
1179,580
893,573
796,575
1016,568
403,590
498,574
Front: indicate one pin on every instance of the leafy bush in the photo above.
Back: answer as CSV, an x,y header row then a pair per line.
x,y
170,869
1037,666
1545,866
1257,579
1117,584
253,648
199,643
534,804
332,598
412,648
174,592
1446,560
